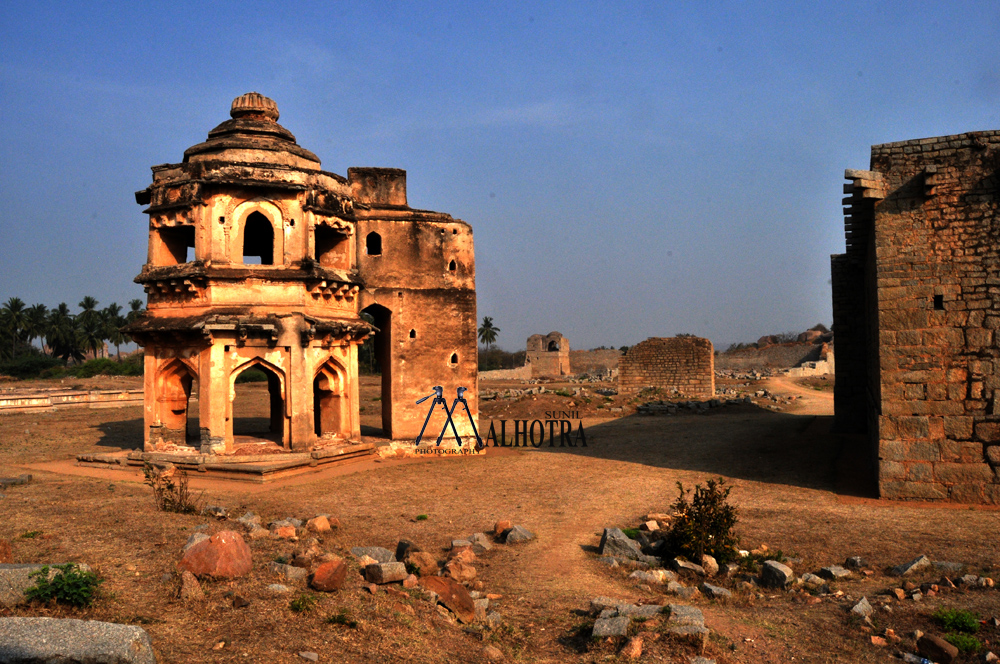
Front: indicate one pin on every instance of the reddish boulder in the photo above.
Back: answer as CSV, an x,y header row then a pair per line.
x,y
329,577
460,570
502,526
223,555
453,595
425,563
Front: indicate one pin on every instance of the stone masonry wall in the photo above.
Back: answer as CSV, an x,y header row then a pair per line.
x,y
685,364
937,279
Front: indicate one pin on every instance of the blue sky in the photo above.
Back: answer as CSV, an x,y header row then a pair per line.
x,y
629,169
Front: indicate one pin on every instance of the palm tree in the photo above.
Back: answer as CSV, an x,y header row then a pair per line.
x,y
14,313
90,324
61,335
35,322
113,320
488,332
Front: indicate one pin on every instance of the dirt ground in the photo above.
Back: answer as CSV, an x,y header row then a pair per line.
x,y
796,486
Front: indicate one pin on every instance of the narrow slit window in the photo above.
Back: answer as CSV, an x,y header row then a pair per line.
x,y
454,358
939,302
413,334
452,266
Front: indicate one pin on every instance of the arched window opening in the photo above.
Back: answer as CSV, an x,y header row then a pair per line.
x,y
331,248
413,334
452,266
373,244
258,407
177,243
328,403
258,240
454,358
553,345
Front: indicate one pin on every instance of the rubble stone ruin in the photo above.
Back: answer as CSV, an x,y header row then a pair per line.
x,y
916,307
259,259
548,355
684,364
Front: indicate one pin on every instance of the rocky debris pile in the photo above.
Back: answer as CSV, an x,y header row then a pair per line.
x,y
674,407
739,374
69,640
614,619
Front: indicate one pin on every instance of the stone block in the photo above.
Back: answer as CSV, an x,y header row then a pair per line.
x,y
988,432
386,572
967,493
959,473
614,627
919,471
958,427
776,575
918,564
70,640
912,491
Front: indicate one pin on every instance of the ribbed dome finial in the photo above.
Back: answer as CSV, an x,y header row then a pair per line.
x,y
254,104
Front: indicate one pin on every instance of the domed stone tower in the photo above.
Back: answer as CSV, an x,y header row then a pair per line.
x,y
254,263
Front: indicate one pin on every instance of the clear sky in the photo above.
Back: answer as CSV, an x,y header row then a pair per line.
x,y
629,169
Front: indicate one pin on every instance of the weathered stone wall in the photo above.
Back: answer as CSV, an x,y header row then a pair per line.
x,y
685,364
594,361
920,290
779,356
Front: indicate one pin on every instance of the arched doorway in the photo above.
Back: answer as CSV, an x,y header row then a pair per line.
x,y
329,402
258,404
176,381
382,346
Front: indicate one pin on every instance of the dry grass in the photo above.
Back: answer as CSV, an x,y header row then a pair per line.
x,y
793,490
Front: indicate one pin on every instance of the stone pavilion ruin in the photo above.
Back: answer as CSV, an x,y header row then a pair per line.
x,y
916,311
259,259
547,355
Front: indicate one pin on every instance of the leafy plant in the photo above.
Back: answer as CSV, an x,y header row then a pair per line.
x,y
703,525
964,642
631,533
69,585
302,603
281,560
957,620
31,534
422,517
752,562
342,617
170,497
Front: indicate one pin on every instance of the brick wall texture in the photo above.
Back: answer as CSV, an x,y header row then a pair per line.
x,y
685,364
916,301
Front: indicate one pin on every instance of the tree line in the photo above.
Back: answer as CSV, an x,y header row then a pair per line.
x,y
64,335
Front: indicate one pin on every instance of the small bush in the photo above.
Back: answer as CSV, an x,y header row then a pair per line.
x,y
631,533
753,562
303,603
170,497
705,524
957,620
69,585
964,642
106,367
29,366
422,517
31,534
343,617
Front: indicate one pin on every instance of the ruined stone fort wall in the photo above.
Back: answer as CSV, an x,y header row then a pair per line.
x,y
685,364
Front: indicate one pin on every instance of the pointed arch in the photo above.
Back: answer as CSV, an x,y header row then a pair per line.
x,y
174,381
331,417
277,390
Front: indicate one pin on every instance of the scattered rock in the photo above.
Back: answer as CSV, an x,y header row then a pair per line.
x,y
915,565
715,592
278,589
492,654
480,543
655,576
481,605
365,561
460,571
502,526
453,595
460,544
632,649
404,548
948,567
609,561
378,553
519,534
617,544
834,573
389,572
688,624
936,649
329,576
215,510
318,524
775,574
493,620
223,555
710,565
69,640
309,656
14,481
282,532
991,657
425,563
650,526
855,562
863,608
686,568
598,604
617,626
700,660
410,581
190,588
240,602
249,519
288,572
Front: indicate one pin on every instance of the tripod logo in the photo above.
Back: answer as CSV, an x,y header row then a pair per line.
x,y
438,395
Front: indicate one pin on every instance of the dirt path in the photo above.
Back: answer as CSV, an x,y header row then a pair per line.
x,y
809,401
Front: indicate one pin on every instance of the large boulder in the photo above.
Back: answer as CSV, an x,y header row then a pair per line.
x,y
453,595
329,576
380,554
224,555
73,641
425,563
617,544
776,575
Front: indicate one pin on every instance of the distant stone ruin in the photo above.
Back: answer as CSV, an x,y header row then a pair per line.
x,y
684,364
916,310
548,355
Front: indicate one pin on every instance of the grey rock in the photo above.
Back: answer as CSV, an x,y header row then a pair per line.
x,y
834,573
610,561
776,575
863,608
167,577
701,660
616,543
656,576
194,539
686,568
519,534
455,544
5,482
481,605
637,611
386,572
217,511
289,572
598,604
674,588
255,531
278,589
681,614
309,656
248,519
493,619
915,565
376,552
480,543
15,579
50,640
947,567
715,592
812,580
617,626
855,562
967,580
202,528
298,523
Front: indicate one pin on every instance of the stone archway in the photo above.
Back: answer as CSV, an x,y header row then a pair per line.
x,y
331,418
246,423
174,382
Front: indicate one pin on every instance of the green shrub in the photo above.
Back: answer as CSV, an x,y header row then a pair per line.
x,y
343,617
631,533
752,562
29,366
252,376
957,620
303,603
704,525
964,642
69,585
422,517
30,534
